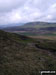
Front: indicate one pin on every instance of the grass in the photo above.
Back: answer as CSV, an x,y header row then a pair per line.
x,y
20,55
47,44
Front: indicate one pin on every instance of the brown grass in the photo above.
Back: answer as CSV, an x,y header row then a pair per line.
x,y
44,37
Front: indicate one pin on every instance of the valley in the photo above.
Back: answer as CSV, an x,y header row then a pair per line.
x,y
43,30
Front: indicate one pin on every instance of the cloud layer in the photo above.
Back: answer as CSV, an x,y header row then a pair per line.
x,y
19,11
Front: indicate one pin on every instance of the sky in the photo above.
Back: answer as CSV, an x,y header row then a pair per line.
x,y
22,11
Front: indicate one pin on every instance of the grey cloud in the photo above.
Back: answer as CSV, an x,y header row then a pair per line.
x,y
15,11
8,5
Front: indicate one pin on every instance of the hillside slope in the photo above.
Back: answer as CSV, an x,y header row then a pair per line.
x,y
20,55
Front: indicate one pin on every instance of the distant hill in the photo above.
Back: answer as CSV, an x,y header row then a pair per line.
x,y
39,24
36,25
25,56
34,29
10,25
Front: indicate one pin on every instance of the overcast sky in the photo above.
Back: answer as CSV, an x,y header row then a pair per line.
x,y
19,11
